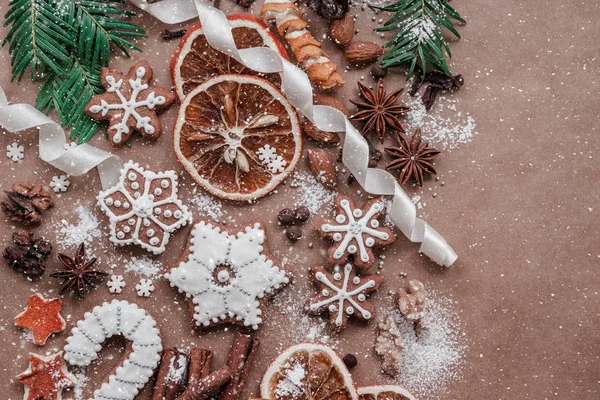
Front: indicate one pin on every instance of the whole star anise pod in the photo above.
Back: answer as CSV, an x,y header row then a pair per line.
x,y
28,254
379,111
78,274
25,202
412,157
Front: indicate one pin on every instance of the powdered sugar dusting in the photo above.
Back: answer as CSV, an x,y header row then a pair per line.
x,y
208,206
447,132
177,368
312,194
433,360
291,386
144,266
84,231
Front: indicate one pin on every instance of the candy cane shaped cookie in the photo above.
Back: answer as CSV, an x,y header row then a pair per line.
x,y
142,353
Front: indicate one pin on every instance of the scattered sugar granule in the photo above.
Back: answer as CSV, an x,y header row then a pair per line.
x,y
430,362
208,206
80,384
15,151
443,126
312,194
177,368
144,266
86,229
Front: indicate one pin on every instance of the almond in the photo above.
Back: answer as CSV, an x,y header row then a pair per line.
x,y
316,134
342,30
322,167
363,52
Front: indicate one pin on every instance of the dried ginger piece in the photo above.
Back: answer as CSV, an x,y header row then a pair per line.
x,y
318,65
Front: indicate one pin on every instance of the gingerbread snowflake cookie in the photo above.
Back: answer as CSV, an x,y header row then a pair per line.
x,y
129,103
355,232
228,274
343,294
143,208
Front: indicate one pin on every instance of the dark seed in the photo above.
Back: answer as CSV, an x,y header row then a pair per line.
x,y
293,233
301,214
350,360
378,71
286,216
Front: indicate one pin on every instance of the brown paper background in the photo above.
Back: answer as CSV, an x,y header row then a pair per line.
x,y
520,207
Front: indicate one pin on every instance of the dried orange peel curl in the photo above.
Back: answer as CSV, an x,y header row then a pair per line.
x,y
288,18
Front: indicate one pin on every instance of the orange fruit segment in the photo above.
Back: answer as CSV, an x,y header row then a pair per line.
x,y
308,372
237,136
384,392
195,60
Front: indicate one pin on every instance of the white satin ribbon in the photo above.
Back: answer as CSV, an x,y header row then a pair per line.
x,y
297,87
74,161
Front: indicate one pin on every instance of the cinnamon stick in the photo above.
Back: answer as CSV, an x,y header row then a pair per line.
x,y
171,375
240,361
200,364
207,386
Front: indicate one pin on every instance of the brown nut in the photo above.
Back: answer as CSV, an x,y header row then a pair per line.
x,y
320,136
322,167
342,30
363,52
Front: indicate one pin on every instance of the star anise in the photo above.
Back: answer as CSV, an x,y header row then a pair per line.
x,y
78,274
412,157
379,111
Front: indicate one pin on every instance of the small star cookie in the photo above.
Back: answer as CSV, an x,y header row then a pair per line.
x,y
46,377
355,232
228,274
129,103
42,317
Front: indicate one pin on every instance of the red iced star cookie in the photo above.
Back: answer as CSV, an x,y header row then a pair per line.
x,y
46,377
42,317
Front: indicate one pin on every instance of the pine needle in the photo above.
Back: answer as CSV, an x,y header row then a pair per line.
x,y
419,37
66,43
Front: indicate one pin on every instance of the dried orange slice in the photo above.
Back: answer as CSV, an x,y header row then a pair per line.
x,y
308,372
384,392
238,136
195,60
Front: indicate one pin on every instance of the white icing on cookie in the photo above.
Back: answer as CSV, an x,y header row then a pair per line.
x,y
136,326
143,208
226,274
353,225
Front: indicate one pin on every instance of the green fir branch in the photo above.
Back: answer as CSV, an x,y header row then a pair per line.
x,y
39,39
419,37
67,42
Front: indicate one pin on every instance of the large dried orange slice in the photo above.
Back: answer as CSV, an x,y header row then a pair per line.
x,y
384,392
237,136
195,60
308,372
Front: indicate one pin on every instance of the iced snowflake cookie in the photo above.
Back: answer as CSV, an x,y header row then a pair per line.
x,y
129,103
228,274
143,208
355,232
343,294
142,354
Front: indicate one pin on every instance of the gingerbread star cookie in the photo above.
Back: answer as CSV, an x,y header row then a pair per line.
x,y
355,232
143,208
343,294
46,377
228,274
129,103
42,317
